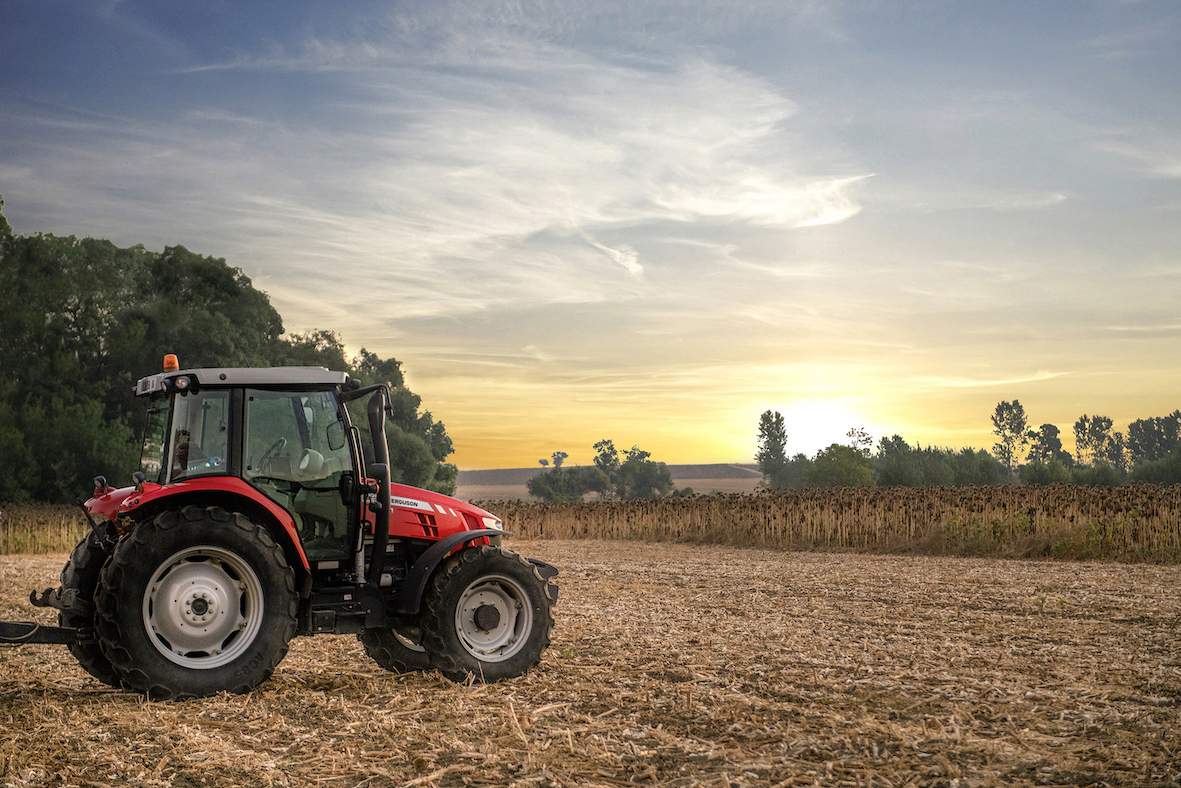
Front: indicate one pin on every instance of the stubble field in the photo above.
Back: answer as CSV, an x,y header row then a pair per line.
x,y
677,665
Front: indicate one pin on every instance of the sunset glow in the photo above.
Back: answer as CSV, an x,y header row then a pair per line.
x,y
648,224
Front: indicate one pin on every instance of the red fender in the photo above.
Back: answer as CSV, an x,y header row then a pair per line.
x,y
223,485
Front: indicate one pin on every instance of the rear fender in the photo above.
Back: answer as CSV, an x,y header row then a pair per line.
x,y
232,494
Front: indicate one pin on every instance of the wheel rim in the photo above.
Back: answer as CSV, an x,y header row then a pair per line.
x,y
203,607
493,618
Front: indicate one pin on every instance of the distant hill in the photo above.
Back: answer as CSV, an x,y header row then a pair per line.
x,y
705,477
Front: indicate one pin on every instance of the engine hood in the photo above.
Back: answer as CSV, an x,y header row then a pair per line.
x,y
416,499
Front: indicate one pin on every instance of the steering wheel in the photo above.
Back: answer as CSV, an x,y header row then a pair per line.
x,y
275,448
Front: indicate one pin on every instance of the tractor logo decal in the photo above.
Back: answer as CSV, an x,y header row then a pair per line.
x,y
411,503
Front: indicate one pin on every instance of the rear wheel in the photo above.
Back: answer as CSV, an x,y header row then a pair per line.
x,y
488,614
394,651
80,576
195,602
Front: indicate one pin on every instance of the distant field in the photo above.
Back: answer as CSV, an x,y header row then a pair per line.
x,y
509,483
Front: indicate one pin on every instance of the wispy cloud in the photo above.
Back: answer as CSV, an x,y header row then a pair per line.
x,y
972,383
1157,159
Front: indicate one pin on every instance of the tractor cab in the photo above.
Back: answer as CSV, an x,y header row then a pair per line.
x,y
263,509
284,431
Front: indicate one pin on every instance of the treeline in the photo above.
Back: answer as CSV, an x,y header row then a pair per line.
x,y
630,475
82,319
1150,451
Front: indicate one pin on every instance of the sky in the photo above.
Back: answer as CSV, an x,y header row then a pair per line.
x,y
647,221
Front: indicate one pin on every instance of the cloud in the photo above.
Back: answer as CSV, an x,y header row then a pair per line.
x,y
469,174
1155,159
970,383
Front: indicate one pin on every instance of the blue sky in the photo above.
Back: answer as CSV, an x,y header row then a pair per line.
x,y
649,221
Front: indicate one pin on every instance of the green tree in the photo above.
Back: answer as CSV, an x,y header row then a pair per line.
x,y
772,449
1043,472
607,457
860,439
896,464
82,319
1154,438
5,228
642,478
976,467
564,484
840,466
1011,428
1046,446
1163,470
634,476
1092,439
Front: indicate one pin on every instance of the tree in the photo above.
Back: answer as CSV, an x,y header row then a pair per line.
x,y
5,228
543,462
977,467
607,457
1164,470
564,485
772,448
641,478
82,319
1154,438
860,439
895,463
1092,439
1046,445
1011,428
636,476
1043,472
840,466
559,457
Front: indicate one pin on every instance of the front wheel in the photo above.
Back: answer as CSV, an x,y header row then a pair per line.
x,y
394,651
487,613
195,602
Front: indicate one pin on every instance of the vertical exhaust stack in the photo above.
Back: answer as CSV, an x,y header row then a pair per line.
x,y
380,470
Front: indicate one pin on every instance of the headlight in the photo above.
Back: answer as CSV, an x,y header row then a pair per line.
x,y
493,523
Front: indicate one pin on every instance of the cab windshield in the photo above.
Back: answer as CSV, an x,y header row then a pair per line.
x,y
199,439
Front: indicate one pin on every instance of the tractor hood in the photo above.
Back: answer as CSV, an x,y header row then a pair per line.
x,y
417,500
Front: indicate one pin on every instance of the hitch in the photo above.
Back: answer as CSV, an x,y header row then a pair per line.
x,y
57,598
19,633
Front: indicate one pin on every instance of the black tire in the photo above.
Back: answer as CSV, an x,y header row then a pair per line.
x,y
80,576
439,629
388,651
124,636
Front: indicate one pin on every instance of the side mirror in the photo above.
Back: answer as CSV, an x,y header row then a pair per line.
x,y
335,436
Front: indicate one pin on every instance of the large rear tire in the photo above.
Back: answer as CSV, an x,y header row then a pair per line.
x,y
487,614
80,576
393,651
195,602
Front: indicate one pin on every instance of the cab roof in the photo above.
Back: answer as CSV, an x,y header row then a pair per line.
x,y
245,376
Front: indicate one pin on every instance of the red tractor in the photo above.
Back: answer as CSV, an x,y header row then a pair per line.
x,y
263,512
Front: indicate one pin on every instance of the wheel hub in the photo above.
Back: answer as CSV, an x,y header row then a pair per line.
x,y
487,617
493,618
203,607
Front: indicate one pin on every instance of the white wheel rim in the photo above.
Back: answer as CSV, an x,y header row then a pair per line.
x,y
493,642
203,607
